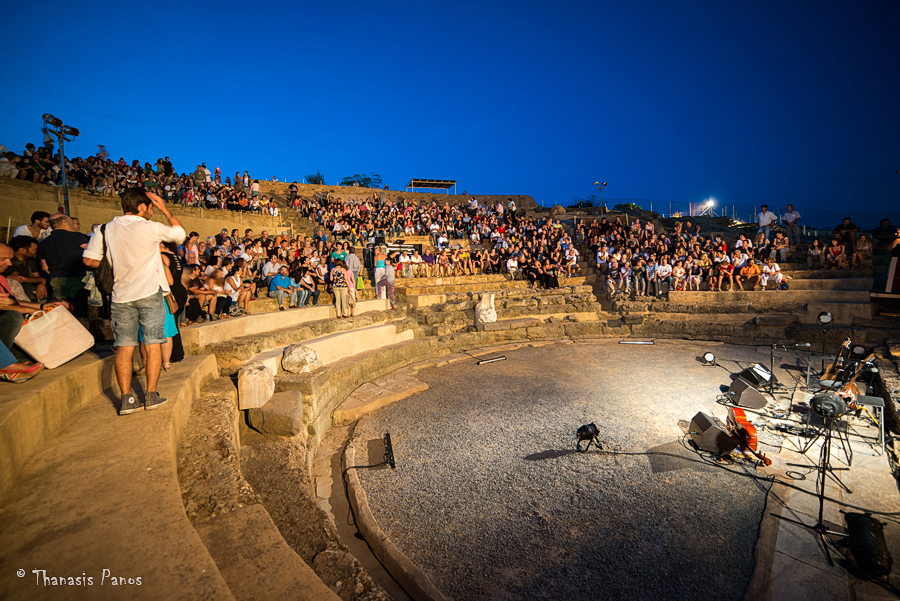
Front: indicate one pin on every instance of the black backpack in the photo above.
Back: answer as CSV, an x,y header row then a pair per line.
x,y
103,276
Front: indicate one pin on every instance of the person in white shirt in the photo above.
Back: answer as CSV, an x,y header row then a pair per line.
x,y
663,274
511,207
512,266
405,265
132,243
771,271
417,264
791,220
39,228
765,219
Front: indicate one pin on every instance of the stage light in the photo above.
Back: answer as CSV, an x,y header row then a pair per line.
x,y
858,350
828,405
709,359
710,202
48,118
587,435
69,130
389,451
825,318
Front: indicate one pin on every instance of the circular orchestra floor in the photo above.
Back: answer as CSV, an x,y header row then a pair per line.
x,y
491,501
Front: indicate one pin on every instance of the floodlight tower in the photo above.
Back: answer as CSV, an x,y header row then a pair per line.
x,y
707,207
600,187
61,131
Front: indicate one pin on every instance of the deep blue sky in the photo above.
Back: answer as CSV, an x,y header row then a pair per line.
x,y
674,101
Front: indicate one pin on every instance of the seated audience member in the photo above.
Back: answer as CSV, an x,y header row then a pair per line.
x,y
39,228
862,252
771,272
835,254
282,285
748,277
846,233
815,255
24,268
884,234
780,247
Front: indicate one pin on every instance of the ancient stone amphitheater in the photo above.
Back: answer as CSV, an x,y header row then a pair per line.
x,y
233,491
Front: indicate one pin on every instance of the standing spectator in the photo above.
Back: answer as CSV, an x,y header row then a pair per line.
x,y
60,255
340,290
765,219
132,241
39,227
389,279
791,220
353,263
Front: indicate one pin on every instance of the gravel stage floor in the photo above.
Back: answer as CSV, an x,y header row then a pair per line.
x,y
491,501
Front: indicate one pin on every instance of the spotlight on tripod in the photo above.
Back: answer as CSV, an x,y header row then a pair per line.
x,y
709,359
389,451
828,405
586,436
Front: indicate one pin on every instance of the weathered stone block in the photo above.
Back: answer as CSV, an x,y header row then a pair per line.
x,y
484,310
631,320
776,319
299,358
281,416
256,385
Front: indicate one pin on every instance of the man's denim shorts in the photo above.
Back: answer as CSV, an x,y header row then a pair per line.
x,y
147,313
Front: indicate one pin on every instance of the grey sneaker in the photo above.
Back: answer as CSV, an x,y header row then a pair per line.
x,y
153,400
129,404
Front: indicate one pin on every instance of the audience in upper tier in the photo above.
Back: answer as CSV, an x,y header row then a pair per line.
x,y
99,174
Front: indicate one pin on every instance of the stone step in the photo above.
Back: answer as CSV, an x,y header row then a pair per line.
x,y
232,353
449,287
541,312
531,300
197,337
804,296
857,283
708,309
71,509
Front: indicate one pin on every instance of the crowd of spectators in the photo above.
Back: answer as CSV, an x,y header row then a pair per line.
x,y
635,260
492,238
100,175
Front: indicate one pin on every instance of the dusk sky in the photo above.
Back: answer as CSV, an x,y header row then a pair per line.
x,y
745,102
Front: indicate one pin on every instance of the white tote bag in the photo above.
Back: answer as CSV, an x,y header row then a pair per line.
x,y
55,338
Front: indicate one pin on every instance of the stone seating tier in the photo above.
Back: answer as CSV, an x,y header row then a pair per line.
x,y
232,353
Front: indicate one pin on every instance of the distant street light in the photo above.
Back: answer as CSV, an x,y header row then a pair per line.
x,y
61,132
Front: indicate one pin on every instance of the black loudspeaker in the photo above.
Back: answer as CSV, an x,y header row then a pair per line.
x,y
758,375
743,394
707,436
867,545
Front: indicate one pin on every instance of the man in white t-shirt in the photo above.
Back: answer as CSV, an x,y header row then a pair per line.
x,y
791,220
39,227
132,243
765,219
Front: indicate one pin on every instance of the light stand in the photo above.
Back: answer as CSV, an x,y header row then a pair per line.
x,y
824,468
825,319
600,187
61,132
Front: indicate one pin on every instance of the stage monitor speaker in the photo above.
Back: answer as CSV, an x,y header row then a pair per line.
x,y
707,436
743,394
758,375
